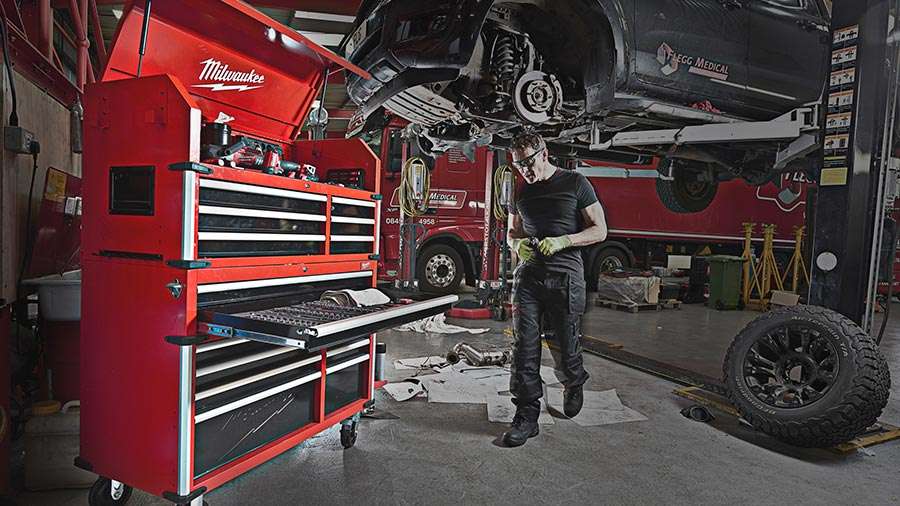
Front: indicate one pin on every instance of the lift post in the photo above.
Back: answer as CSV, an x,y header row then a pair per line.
x,y
851,202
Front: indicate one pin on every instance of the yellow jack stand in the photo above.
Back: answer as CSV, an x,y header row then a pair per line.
x,y
797,263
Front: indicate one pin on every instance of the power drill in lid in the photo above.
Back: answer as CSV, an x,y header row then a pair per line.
x,y
221,148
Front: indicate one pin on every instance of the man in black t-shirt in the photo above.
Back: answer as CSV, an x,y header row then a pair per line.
x,y
555,213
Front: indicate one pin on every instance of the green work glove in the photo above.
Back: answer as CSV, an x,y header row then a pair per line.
x,y
553,245
524,250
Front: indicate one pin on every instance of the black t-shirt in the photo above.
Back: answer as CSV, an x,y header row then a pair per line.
x,y
552,208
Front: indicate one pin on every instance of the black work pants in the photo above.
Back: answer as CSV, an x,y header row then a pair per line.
x,y
557,299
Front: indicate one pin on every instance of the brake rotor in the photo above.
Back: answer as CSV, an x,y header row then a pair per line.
x,y
537,97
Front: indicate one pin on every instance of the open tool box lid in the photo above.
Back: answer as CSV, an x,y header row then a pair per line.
x,y
232,59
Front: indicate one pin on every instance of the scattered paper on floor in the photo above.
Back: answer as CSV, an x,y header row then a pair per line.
x,y
501,409
404,390
600,408
596,417
455,388
464,384
437,324
419,362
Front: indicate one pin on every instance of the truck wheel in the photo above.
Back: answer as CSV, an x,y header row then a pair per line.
x,y
807,376
683,195
439,269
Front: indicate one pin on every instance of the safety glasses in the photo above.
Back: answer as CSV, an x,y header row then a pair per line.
x,y
528,162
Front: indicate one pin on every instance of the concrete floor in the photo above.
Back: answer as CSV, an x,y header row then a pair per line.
x,y
449,454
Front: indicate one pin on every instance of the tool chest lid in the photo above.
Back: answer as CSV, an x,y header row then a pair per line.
x,y
234,60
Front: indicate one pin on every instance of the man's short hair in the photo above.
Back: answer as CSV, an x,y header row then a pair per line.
x,y
528,140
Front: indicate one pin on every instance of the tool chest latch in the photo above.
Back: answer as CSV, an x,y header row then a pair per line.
x,y
190,166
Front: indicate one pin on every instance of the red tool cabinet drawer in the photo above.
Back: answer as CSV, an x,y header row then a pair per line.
x,y
248,394
346,375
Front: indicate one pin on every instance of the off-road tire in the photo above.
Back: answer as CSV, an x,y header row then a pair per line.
x,y
854,400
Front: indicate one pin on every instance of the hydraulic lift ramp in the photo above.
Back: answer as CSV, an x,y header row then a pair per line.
x,y
812,375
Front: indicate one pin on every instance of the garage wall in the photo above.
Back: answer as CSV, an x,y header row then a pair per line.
x,y
50,121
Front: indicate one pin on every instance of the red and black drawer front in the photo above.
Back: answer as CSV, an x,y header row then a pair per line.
x,y
312,325
346,375
246,220
247,395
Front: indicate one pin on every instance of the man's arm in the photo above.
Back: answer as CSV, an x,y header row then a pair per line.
x,y
516,231
518,240
594,226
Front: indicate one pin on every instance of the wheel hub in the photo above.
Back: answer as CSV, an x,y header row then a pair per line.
x,y
610,264
537,96
791,367
696,189
117,490
440,271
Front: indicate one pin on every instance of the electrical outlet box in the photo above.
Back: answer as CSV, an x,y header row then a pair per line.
x,y
17,139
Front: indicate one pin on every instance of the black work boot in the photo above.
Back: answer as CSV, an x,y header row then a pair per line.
x,y
519,431
573,399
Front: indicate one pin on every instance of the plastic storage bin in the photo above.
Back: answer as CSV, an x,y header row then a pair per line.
x,y
59,296
725,281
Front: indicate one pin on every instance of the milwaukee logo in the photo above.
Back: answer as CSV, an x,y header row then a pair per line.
x,y
214,70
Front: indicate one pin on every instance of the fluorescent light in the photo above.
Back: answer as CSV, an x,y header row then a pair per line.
x,y
323,39
323,16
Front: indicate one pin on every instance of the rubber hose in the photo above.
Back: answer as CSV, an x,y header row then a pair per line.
x,y
408,205
500,211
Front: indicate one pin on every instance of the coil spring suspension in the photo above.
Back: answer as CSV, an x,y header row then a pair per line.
x,y
504,67
505,57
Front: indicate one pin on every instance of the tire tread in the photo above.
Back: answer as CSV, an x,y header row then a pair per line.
x,y
857,409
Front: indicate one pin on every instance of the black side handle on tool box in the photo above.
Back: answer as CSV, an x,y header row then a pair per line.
x,y
189,264
190,166
187,340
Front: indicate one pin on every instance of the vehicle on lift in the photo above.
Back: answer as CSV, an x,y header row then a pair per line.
x,y
642,229
474,72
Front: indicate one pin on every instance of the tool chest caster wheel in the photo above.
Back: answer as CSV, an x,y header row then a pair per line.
x,y
102,493
349,431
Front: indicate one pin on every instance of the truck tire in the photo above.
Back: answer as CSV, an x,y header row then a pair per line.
x,y
607,259
807,376
681,195
439,269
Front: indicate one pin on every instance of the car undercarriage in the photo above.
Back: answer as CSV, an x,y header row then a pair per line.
x,y
521,71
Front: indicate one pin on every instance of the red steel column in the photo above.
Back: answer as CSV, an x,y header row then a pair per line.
x,y
45,28
98,36
79,16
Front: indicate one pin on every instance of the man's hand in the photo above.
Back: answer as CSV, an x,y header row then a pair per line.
x,y
524,250
553,245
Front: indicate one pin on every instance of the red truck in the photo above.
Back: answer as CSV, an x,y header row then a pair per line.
x,y
642,229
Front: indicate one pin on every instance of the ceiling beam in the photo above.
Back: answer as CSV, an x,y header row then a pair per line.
x,y
342,7
324,16
323,39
